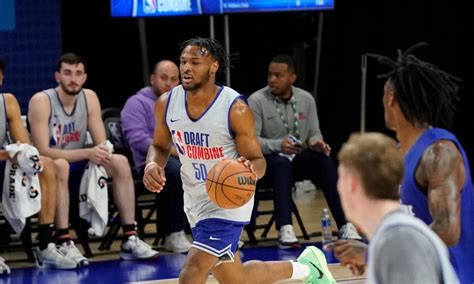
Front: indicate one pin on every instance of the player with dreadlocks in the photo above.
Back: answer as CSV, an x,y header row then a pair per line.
x,y
419,98
202,114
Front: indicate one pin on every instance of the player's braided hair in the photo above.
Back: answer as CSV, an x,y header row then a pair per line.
x,y
214,48
426,94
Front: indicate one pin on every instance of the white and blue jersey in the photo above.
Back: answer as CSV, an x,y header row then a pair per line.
x,y
201,143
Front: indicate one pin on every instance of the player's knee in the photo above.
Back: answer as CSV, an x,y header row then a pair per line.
x,y
195,266
46,160
120,165
280,164
190,273
62,169
48,164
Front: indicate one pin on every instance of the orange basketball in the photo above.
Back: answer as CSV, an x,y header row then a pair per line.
x,y
230,184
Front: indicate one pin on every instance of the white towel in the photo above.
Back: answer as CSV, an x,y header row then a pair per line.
x,y
94,200
27,157
21,196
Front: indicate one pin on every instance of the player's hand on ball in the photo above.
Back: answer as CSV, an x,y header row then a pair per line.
x,y
247,164
154,178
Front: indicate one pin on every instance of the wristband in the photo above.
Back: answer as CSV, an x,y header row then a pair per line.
x,y
147,167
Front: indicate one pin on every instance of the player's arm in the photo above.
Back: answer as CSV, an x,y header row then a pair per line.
x,y
99,154
159,151
39,111
243,125
442,173
95,125
349,252
17,130
15,124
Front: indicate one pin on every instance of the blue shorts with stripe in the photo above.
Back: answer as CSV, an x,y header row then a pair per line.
x,y
218,237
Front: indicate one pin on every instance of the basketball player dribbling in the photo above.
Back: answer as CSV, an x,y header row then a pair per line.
x,y
208,122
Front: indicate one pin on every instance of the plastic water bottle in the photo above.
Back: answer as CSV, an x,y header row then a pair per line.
x,y
326,233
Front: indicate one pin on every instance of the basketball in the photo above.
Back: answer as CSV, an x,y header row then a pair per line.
x,y
230,184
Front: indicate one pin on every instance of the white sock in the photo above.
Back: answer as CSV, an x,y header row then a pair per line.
x,y
300,271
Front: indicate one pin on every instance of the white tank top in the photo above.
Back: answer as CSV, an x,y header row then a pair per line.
x,y
201,143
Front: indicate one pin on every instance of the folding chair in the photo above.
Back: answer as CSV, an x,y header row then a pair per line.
x,y
262,194
113,130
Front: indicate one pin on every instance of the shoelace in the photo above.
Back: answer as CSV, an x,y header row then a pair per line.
x,y
142,243
57,249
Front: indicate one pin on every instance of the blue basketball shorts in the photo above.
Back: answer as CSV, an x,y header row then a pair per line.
x,y
218,237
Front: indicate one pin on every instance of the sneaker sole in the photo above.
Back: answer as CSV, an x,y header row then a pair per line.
x,y
289,246
83,263
47,265
178,251
129,256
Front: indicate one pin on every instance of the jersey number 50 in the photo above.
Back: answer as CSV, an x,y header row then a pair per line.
x,y
200,171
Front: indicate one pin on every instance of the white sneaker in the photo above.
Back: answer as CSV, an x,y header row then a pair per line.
x,y
287,237
177,242
305,186
4,269
134,248
69,250
349,231
51,257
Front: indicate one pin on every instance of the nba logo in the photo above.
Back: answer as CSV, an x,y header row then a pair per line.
x,y
149,6
178,141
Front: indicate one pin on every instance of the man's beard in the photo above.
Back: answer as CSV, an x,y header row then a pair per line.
x,y
195,86
68,91
192,87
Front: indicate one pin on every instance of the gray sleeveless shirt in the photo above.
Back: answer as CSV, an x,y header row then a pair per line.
x,y
3,121
405,250
67,131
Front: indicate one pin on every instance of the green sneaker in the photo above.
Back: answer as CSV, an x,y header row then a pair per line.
x,y
316,261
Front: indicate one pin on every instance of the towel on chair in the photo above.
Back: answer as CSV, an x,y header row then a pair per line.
x,y
21,187
93,198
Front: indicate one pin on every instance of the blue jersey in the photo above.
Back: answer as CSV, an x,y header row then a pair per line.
x,y
462,254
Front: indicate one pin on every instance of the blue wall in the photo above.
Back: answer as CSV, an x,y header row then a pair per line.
x,y
31,48
7,15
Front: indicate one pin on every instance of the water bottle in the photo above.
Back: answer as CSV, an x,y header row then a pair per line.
x,y
326,233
